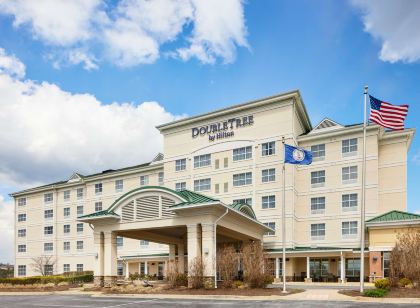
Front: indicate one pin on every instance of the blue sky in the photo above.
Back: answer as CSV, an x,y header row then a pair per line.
x,y
327,49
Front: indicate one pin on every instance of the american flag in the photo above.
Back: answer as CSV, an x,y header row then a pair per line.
x,y
386,114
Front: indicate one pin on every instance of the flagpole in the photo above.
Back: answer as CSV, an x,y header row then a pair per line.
x,y
362,208
283,212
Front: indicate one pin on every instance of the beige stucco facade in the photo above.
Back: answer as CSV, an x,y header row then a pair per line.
x,y
244,163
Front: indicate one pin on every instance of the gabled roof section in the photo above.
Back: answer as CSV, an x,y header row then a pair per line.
x,y
100,214
157,158
394,216
76,177
192,197
244,208
326,124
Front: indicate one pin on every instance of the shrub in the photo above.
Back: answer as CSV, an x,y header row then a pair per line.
x,y
255,264
375,293
134,276
47,279
238,284
196,273
383,284
405,282
268,279
227,264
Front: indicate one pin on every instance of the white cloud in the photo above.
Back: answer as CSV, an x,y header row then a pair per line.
x,y
396,25
6,230
132,32
47,133
11,65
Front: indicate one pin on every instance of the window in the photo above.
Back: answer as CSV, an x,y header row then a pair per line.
x,y
202,160
98,188
48,214
225,187
201,185
48,230
21,217
268,175
120,241
319,267
241,179
120,269
98,206
66,268
271,225
349,147
144,180
180,186
349,229
66,212
79,245
79,210
349,202
21,201
66,229
144,243
243,201
48,247
119,185
142,268
216,163
79,193
269,148
317,231
349,174
22,248
48,198
180,164
22,233
318,205
66,195
386,262
242,153
318,178
79,227
225,162
318,152
21,270
268,202
79,267
352,267
66,246
48,269
161,176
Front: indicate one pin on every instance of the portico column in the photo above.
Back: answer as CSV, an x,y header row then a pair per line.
x,y
146,269
110,255
308,270
172,248
181,258
208,252
98,238
193,244
127,270
277,268
343,268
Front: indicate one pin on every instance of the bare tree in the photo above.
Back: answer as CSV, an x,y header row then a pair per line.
x,y
196,273
255,265
43,264
227,264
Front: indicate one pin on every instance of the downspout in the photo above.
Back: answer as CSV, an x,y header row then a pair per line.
x,y
215,246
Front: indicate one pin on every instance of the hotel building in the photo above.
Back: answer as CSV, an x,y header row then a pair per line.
x,y
218,180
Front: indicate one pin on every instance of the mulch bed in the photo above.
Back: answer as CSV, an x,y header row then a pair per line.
x,y
393,293
35,289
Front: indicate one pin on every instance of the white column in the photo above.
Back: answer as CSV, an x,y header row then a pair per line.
x,y
277,269
193,243
172,248
110,258
308,268
343,268
208,249
99,249
146,269
127,269
181,258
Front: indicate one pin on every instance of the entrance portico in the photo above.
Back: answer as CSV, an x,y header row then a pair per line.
x,y
190,224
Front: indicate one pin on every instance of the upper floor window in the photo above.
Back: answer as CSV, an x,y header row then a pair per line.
x,y
79,245
98,188
318,205
48,198
202,184
120,241
66,229
22,248
21,217
66,246
349,147
48,214
22,233
243,201
180,164
242,153
21,270
79,227
98,206
119,185
48,247
349,228
318,152
79,193
66,195
202,160
318,178
48,230
79,210
268,175
349,202
21,201
161,176
144,243
318,231
180,186
268,148
66,212
241,179
144,180
349,174
268,202
271,225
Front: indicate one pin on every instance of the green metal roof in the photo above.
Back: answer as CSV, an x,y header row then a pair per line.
x,y
303,248
192,197
394,216
146,255
99,214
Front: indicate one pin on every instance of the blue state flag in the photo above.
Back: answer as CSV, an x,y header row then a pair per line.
x,y
297,156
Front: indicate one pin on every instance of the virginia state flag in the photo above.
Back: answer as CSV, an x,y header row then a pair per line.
x,y
297,156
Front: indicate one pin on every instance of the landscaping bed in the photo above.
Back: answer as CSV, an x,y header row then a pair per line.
x,y
393,293
34,288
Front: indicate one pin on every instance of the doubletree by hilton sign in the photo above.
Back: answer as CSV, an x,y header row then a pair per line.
x,y
223,129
